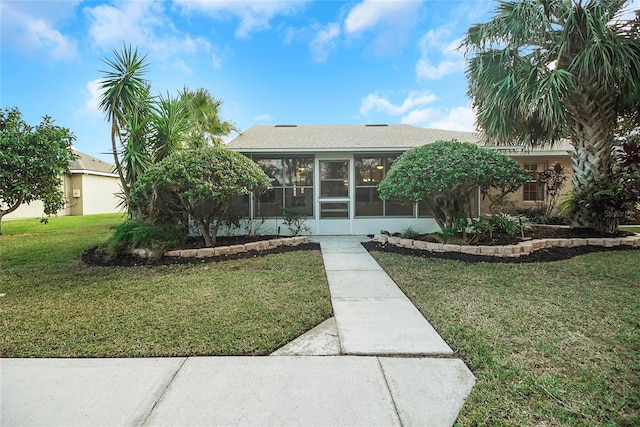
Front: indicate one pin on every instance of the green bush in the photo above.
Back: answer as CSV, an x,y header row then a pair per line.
x,y
134,233
294,219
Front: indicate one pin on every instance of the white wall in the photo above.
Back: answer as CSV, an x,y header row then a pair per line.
x,y
98,194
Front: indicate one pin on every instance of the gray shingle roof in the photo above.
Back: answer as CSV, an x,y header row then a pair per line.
x,y
342,137
85,162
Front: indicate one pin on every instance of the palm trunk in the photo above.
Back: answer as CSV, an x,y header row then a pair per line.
x,y
594,119
116,160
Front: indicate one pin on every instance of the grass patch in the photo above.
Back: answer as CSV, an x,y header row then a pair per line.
x,y
631,228
550,343
55,306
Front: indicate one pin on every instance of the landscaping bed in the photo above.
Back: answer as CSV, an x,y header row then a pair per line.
x,y
574,241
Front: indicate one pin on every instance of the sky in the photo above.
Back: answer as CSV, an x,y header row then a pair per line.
x,y
270,62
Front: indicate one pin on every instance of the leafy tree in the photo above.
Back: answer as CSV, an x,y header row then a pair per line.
x,y
542,70
447,175
199,183
125,101
32,161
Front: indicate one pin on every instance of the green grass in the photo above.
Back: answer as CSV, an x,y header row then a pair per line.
x,y
551,343
632,228
55,306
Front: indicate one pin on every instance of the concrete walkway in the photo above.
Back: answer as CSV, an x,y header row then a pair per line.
x,y
347,371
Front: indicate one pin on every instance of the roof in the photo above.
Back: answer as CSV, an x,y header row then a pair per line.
x,y
315,138
85,163
341,137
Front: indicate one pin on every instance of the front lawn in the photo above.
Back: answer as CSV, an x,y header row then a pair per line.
x,y
55,306
553,343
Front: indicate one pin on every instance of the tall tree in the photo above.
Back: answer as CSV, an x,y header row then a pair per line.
x,y
543,70
171,126
207,127
32,162
125,102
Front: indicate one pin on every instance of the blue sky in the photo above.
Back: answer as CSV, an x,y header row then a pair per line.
x,y
270,62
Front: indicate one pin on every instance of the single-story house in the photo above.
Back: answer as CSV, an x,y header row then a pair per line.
x,y
332,172
91,187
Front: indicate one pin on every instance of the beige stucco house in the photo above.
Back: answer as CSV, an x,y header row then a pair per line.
x,y
89,188
332,172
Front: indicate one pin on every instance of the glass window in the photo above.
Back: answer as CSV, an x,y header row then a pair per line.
x,y
370,171
268,204
299,197
298,171
292,181
334,178
240,206
424,211
531,190
368,202
398,208
273,169
334,210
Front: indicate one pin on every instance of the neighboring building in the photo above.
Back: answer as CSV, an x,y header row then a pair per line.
x,y
332,171
89,188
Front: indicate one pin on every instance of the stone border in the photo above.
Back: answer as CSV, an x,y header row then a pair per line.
x,y
511,251
260,245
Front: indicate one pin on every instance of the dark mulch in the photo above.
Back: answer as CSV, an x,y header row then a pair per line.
x,y
96,257
542,255
537,232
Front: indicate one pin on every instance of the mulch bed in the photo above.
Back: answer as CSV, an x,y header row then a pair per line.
x,y
537,232
95,257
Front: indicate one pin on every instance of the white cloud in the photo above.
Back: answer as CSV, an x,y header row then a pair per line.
x,y
26,27
391,21
375,103
458,118
439,55
143,24
323,40
253,15
371,13
93,94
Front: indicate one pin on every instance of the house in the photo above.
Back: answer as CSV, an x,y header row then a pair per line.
x,y
91,187
332,172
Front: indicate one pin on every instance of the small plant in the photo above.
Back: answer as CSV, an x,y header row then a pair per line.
x,y
135,233
295,220
509,224
410,233
253,227
553,179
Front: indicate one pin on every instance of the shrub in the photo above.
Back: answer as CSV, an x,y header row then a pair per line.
x,y
447,176
136,233
410,233
294,219
200,183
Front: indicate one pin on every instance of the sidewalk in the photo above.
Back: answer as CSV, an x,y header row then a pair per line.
x,y
347,371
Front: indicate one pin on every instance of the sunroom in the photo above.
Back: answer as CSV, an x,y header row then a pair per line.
x,y
331,172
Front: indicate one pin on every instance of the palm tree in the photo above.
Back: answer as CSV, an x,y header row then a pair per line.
x,y
543,70
171,126
207,127
124,100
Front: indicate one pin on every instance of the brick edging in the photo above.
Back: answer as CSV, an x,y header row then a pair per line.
x,y
520,249
260,245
